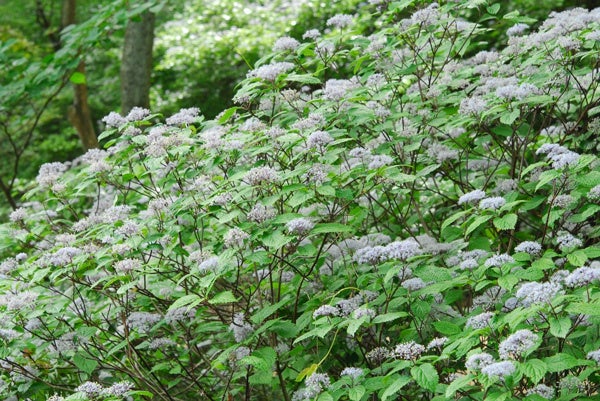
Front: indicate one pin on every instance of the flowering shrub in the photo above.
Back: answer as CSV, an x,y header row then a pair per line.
x,y
388,217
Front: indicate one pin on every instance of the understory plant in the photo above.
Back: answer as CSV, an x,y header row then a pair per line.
x,y
403,216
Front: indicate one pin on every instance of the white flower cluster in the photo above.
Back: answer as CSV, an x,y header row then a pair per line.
x,y
286,43
408,351
184,116
471,197
537,293
582,276
143,321
270,72
560,156
517,344
531,247
240,328
299,226
480,321
261,175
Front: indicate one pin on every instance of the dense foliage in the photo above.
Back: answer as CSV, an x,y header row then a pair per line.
x,y
398,216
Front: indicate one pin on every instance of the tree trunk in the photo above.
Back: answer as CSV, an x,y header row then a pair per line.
x,y
79,113
136,64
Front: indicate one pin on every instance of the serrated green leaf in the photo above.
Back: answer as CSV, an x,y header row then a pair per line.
x,y
560,327
84,363
507,222
546,177
225,297
276,240
535,369
356,393
226,115
326,190
187,300
560,362
592,309
458,384
396,386
426,376
577,258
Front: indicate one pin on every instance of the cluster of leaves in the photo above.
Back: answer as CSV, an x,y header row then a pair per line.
x,y
214,43
379,217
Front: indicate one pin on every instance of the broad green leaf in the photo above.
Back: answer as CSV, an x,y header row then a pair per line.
x,y
577,258
560,327
560,362
187,300
546,177
507,222
388,317
458,384
356,393
535,369
476,223
426,376
225,297
396,386
276,240
592,309
84,363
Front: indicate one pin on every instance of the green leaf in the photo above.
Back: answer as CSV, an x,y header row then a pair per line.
x,y
493,9
592,309
276,240
508,281
446,328
577,258
84,364
187,300
307,372
560,327
507,222
267,311
560,362
331,228
303,79
509,118
535,369
78,78
388,317
226,115
396,386
426,376
546,177
458,384
453,218
225,297
326,190
355,325
356,393
476,223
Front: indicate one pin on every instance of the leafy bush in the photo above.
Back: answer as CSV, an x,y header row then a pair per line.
x,y
379,217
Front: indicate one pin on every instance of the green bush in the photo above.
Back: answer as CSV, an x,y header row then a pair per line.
x,y
381,217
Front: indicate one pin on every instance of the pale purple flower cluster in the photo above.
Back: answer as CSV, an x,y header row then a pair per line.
x,y
519,92
319,139
90,389
49,174
594,193
137,114
8,265
530,247
184,116
517,344
114,120
437,343
517,29
161,343
499,260
542,390
261,175
336,89
235,238
270,72
471,197
594,355
64,256
537,293
492,203
378,355
311,34
261,213
176,315
353,373
299,226
18,215
479,361
286,43
241,329
315,384
413,284
128,265
402,250
209,264
567,241
340,21
472,106
499,369
480,321
143,321
582,276
326,310
408,351
559,155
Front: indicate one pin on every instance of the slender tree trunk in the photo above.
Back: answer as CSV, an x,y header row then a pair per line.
x,y
79,113
136,64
